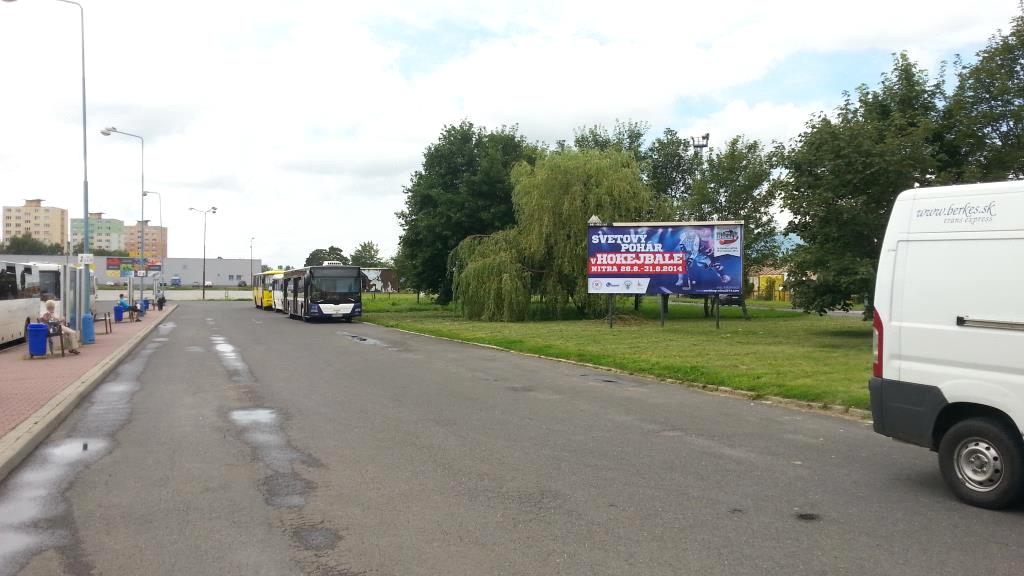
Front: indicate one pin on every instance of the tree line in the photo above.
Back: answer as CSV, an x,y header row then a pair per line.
x,y
495,221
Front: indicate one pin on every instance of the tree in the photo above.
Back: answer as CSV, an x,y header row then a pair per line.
x,y
265,268
843,176
320,255
736,183
28,245
463,188
627,136
367,255
545,253
671,166
983,123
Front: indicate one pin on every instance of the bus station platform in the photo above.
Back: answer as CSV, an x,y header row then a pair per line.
x,y
37,394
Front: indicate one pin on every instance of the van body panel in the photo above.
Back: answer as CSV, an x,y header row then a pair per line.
x,y
951,255
906,411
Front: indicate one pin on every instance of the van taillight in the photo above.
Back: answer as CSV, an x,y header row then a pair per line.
x,y
877,345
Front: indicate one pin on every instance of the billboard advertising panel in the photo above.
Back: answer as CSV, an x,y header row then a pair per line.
x,y
118,267
665,258
379,280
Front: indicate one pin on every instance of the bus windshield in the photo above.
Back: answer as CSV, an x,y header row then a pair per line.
x,y
335,290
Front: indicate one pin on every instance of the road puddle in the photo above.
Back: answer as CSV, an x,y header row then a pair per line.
x,y
232,361
33,496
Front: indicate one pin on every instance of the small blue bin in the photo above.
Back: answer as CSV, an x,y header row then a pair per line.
x,y
37,339
88,334
145,304
118,313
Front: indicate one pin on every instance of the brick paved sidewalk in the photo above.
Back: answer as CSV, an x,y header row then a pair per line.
x,y
27,385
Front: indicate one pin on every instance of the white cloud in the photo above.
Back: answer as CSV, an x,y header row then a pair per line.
x,y
300,123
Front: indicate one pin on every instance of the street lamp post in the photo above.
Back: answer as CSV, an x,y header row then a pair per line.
x,y
142,202
212,209
85,291
251,239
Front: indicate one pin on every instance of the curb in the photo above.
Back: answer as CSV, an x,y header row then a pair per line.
x,y
17,444
844,412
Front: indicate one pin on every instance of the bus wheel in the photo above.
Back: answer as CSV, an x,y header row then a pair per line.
x,y
982,461
25,332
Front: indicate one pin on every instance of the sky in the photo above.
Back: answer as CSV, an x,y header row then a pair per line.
x,y
301,121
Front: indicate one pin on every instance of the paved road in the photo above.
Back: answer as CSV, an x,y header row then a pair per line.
x,y
240,442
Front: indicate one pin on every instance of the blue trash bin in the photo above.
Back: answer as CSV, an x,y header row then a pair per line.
x,y
145,304
118,313
37,339
88,334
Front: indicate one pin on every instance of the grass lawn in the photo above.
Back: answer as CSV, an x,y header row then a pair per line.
x,y
777,353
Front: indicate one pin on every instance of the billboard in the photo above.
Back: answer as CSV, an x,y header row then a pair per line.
x,y
379,280
665,258
118,267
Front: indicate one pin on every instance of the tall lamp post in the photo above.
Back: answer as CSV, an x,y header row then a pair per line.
x,y
163,235
83,297
142,202
251,239
211,209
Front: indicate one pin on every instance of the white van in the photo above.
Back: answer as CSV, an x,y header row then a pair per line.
x,y
949,335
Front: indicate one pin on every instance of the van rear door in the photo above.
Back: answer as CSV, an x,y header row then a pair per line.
x,y
965,260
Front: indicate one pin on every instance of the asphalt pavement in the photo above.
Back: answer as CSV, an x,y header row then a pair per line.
x,y
238,441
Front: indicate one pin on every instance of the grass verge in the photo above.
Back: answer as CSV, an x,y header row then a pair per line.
x,y
776,353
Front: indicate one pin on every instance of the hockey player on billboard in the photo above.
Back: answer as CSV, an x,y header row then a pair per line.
x,y
697,245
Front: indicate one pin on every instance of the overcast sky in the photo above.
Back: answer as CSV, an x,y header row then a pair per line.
x,y
302,120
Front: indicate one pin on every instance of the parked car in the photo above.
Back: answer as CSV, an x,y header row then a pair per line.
x,y
242,284
195,284
209,283
948,329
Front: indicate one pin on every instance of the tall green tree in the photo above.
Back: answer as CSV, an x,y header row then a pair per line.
x,y
546,252
983,123
367,255
627,136
320,255
463,188
843,175
736,183
28,245
670,166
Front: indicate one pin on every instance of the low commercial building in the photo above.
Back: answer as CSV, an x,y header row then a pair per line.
x,y
223,272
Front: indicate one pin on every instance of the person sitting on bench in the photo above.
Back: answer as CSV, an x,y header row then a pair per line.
x,y
70,336
123,303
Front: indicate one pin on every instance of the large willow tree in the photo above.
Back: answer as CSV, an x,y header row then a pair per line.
x,y
545,253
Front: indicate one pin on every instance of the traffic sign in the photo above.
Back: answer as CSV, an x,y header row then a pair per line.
x,y
85,259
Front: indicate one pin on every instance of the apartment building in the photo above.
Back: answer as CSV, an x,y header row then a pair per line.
x,y
104,233
156,239
47,224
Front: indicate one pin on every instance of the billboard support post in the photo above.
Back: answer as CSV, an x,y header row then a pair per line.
x,y
718,311
611,310
664,308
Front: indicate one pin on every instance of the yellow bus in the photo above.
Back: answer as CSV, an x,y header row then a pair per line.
x,y
262,288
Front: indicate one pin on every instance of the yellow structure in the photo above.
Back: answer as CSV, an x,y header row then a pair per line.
x,y
769,284
263,288
44,223
156,240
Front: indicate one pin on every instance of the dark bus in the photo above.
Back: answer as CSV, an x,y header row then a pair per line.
x,y
331,291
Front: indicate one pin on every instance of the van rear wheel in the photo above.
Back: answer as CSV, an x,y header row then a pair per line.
x,y
982,461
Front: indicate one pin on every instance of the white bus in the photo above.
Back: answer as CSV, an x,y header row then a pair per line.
x,y
331,291
19,301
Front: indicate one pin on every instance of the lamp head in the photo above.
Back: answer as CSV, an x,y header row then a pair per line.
x,y
108,131
213,209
